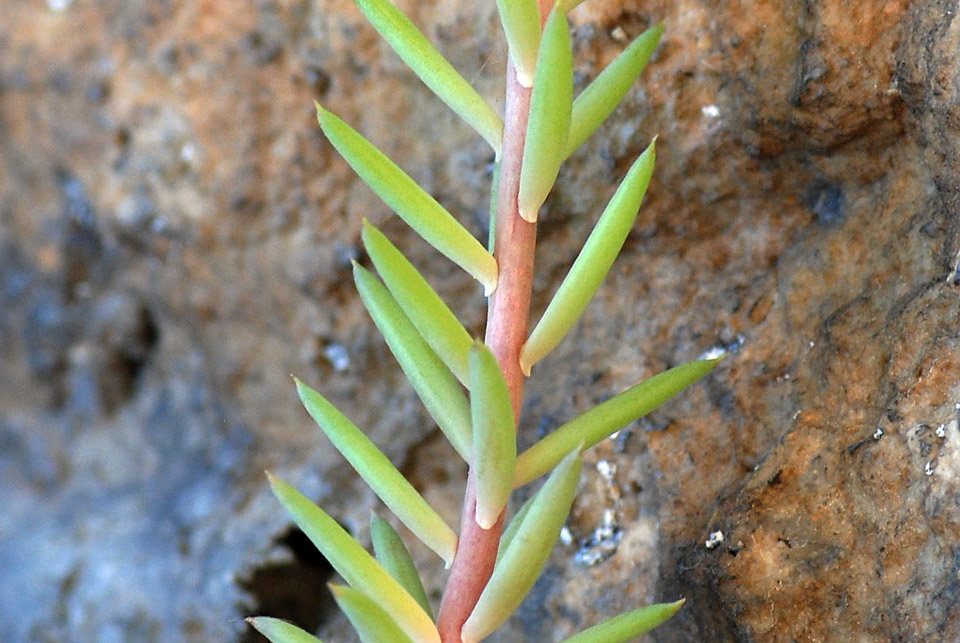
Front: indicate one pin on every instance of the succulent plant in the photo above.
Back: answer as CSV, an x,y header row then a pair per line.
x,y
473,388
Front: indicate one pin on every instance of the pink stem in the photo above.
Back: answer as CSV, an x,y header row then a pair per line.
x,y
507,315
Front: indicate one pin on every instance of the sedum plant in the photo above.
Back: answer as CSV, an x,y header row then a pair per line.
x,y
473,388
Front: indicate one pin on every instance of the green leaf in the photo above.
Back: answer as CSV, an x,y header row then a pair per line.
x,y
521,24
549,121
393,555
599,99
494,195
378,472
433,69
431,379
623,628
402,194
355,565
511,530
432,318
566,6
607,417
494,435
371,623
277,631
521,562
592,264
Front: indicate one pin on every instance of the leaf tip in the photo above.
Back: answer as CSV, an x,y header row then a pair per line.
x,y
529,213
490,285
486,517
525,362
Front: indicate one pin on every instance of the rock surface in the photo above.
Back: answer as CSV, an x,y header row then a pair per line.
x,y
176,236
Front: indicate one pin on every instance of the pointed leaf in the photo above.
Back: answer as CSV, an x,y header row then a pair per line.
x,y
371,623
566,6
378,472
521,24
431,379
411,203
591,266
511,529
607,417
520,565
432,318
494,194
355,565
494,435
393,555
277,631
433,69
549,121
625,627
599,99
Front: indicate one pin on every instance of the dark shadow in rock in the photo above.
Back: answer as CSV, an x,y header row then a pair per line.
x,y
294,591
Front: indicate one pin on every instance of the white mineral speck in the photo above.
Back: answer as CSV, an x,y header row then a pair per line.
x,y
710,111
606,469
714,540
337,355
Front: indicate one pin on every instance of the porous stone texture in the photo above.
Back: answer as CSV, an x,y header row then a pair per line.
x,y
176,237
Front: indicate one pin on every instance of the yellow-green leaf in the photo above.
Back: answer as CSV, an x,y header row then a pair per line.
x,y
433,69
592,264
371,623
355,565
437,325
607,417
513,526
625,627
393,555
378,472
521,24
277,631
599,99
494,435
521,562
411,203
549,122
431,379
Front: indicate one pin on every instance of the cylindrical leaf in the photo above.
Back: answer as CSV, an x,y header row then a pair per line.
x,y
607,417
494,193
549,122
521,24
599,99
511,529
433,69
420,210
431,379
277,631
591,266
355,565
371,623
437,325
378,472
494,435
521,562
393,555
625,627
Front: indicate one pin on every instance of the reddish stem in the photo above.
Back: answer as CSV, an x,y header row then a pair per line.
x,y
507,315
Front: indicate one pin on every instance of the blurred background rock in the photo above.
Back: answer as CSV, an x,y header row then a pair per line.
x,y
175,240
